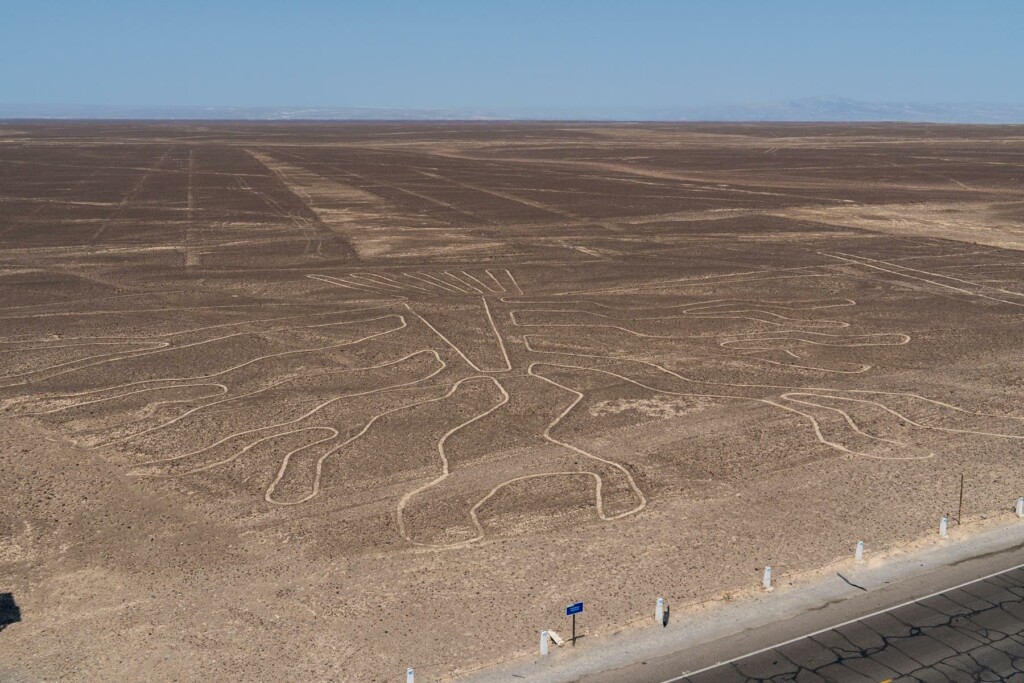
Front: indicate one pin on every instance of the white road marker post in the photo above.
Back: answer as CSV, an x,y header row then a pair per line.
x,y
858,555
1020,506
766,580
409,675
659,610
544,643
944,527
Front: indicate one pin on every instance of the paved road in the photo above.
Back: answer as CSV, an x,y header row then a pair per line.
x,y
971,633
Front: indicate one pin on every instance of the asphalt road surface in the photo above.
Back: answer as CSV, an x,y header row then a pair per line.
x,y
971,633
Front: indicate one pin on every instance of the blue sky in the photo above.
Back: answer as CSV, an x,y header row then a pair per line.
x,y
490,54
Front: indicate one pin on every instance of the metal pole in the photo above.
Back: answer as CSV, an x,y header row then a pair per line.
x,y
544,643
858,555
944,527
409,675
960,509
574,630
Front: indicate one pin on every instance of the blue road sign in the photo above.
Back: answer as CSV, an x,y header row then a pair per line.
x,y
574,609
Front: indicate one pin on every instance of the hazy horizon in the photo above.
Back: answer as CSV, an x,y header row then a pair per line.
x,y
469,56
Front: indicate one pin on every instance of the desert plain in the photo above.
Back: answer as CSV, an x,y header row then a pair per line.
x,y
321,401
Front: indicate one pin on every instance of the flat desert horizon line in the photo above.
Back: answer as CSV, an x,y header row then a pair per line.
x,y
801,110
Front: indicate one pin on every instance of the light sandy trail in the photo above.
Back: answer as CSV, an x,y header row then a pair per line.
x,y
832,324
531,370
683,281
328,279
161,346
814,422
269,495
402,285
738,343
827,393
446,284
856,260
463,282
904,339
223,387
445,471
192,330
443,287
307,414
376,282
497,282
127,199
479,282
235,367
939,275
457,350
695,305
273,385
514,281
690,380
497,335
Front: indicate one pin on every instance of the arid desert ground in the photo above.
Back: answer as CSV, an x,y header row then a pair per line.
x,y
286,401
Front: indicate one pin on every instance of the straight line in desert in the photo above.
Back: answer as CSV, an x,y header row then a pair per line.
x,y
683,281
463,282
857,260
481,283
126,200
502,195
450,343
939,275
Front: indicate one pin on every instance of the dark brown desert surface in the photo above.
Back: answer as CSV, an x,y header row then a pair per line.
x,y
287,401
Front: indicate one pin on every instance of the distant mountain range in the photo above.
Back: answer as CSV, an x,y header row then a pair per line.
x,y
807,109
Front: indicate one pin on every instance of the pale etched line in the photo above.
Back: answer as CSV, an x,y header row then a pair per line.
x,y
404,285
172,387
479,282
903,338
376,282
445,470
128,197
933,282
307,414
450,343
329,279
491,275
801,389
513,279
497,335
833,324
269,495
474,512
242,365
453,287
463,282
443,287
547,435
138,472
814,422
445,339
333,281
927,272
274,385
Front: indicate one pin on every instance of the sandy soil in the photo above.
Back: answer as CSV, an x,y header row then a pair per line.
x,y
324,401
